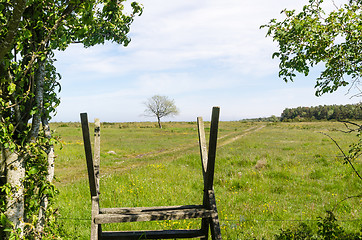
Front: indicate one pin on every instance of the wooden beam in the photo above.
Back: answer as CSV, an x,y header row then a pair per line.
x,y
202,144
153,216
157,234
148,209
88,154
95,228
214,222
203,153
209,174
212,149
97,151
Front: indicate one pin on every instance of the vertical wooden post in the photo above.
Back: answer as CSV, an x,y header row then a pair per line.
x,y
215,224
202,143
91,175
95,228
212,149
209,197
88,154
203,153
97,150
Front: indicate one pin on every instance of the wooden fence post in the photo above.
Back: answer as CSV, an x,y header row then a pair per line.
x,y
91,175
97,150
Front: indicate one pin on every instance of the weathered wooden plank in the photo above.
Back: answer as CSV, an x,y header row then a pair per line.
x,y
88,154
209,172
157,234
205,223
203,153
147,209
153,216
212,148
97,150
202,144
95,228
215,224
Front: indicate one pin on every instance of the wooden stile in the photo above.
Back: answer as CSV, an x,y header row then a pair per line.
x,y
207,211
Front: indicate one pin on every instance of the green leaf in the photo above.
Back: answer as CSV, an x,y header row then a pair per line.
x,y
11,88
33,170
3,219
27,33
43,57
11,127
32,112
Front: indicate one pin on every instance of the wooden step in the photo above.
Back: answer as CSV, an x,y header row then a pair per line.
x,y
147,209
157,234
118,215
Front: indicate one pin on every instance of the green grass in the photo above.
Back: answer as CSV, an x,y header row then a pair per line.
x,y
265,178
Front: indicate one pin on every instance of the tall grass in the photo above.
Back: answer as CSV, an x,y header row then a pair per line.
x,y
265,179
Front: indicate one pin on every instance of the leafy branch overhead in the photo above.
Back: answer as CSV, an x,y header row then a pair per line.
x,y
313,37
331,41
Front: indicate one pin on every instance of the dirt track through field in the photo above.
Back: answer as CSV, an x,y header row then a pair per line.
x,y
167,155
160,156
221,143
246,132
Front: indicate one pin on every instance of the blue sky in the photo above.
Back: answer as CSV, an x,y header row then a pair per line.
x,y
200,53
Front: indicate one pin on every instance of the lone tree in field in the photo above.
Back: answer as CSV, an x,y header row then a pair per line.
x,y
30,32
160,106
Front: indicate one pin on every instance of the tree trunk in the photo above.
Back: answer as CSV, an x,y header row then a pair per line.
x,y
159,122
50,177
38,117
2,164
15,199
39,101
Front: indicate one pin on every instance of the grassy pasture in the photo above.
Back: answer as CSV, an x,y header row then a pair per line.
x,y
268,175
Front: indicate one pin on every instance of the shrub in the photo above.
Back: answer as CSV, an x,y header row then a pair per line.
x,y
327,228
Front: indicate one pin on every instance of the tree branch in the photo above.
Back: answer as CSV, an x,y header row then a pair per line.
x,y
358,196
350,129
7,42
345,156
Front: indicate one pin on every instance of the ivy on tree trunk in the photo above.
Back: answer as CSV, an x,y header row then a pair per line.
x,y
30,31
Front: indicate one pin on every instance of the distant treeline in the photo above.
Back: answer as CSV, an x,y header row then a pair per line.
x,y
262,119
326,112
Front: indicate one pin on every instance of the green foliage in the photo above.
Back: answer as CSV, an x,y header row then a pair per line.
x,y
326,112
312,37
272,118
30,31
327,228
